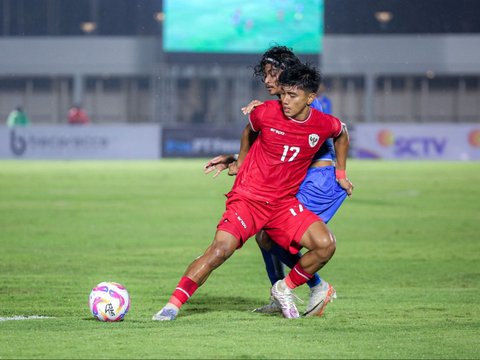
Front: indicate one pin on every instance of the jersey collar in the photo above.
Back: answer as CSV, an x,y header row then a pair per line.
x,y
302,121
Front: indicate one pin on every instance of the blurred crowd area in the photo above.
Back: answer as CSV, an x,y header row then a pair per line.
x,y
218,101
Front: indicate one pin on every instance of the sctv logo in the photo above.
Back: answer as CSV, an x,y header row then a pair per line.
x,y
18,144
412,146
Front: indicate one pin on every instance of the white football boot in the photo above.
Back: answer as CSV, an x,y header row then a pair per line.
x,y
273,307
286,298
320,296
169,312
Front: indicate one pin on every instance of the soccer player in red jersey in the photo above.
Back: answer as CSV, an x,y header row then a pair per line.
x,y
263,194
319,191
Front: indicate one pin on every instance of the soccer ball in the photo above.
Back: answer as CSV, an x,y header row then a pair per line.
x,y
109,301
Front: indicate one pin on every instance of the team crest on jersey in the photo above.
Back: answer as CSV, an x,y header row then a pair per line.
x,y
313,139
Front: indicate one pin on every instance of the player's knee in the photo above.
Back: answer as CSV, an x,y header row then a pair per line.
x,y
219,252
219,255
325,244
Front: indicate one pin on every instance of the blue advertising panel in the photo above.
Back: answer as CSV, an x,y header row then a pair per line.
x,y
200,141
61,142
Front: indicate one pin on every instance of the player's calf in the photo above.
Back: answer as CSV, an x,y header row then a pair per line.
x,y
321,245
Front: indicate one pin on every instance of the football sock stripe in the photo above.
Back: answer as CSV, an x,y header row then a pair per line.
x,y
184,290
297,276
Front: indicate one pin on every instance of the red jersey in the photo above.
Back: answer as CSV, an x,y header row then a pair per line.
x,y
279,158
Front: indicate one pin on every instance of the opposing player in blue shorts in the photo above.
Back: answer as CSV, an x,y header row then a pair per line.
x,y
319,192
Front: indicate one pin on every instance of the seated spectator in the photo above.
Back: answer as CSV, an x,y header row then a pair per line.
x,y
17,117
77,116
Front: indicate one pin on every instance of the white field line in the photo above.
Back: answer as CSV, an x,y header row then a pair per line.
x,y
20,317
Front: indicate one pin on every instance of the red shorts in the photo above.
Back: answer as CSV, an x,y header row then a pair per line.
x,y
285,221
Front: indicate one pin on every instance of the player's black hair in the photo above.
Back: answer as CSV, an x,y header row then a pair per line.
x,y
303,76
280,57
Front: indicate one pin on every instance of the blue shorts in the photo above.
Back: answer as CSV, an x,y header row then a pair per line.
x,y
321,193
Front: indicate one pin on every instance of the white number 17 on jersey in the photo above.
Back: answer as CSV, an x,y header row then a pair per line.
x,y
294,149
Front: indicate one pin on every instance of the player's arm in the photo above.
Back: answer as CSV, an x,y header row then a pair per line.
x,y
342,143
246,141
249,134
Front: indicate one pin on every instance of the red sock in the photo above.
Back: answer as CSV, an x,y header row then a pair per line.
x,y
184,290
297,276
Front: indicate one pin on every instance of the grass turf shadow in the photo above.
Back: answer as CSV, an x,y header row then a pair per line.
x,y
207,303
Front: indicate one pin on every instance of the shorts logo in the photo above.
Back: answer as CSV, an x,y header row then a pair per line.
x,y
241,221
313,139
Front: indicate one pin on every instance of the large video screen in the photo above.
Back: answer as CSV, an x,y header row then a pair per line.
x,y
242,26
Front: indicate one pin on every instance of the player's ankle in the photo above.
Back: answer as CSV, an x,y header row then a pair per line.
x,y
283,285
172,306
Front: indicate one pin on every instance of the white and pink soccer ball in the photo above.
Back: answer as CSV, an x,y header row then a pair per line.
x,y
109,301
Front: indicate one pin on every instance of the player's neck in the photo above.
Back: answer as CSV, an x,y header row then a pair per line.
x,y
302,116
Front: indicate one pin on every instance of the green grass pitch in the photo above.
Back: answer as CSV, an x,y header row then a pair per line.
x,y
407,266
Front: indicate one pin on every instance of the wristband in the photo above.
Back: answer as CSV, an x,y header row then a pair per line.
x,y
235,156
340,174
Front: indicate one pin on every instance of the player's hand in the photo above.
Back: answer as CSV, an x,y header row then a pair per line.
x,y
233,168
218,164
346,185
252,105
